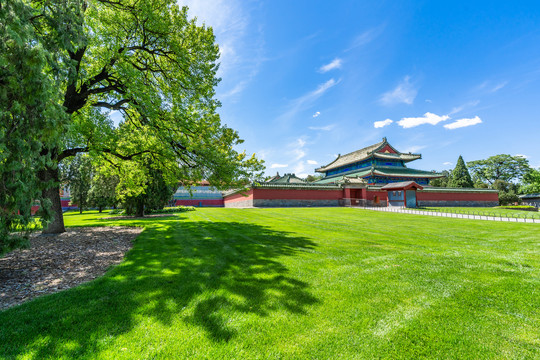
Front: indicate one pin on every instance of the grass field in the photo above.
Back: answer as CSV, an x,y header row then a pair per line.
x,y
487,211
308,283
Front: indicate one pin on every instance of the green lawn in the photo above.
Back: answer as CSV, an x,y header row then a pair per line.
x,y
309,283
487,211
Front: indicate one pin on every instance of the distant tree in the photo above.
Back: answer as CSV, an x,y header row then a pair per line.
x,y
442,181
531,182
312,178
79,179
507,192
145,185
460,177
31,118
499,167
102,191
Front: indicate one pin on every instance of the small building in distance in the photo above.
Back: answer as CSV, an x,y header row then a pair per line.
x,y
531,199
378,164
201,194
286,179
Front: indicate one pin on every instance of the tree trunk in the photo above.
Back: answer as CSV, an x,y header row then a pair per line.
x,y
53,194
139,210
100,208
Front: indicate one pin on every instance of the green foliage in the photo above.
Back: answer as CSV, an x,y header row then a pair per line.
x,y
519,207
507,192
102,192
442,181
531,182
145,185
148,61
172,210
31,119
78,177
499,167
460,177
312,178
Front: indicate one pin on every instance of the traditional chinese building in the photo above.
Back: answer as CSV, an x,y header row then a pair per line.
x,y
377,164
361,178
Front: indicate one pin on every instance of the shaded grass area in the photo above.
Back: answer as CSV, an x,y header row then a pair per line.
x,y
487,211
297,283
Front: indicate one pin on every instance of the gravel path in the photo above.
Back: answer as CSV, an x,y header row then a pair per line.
x,y
57,262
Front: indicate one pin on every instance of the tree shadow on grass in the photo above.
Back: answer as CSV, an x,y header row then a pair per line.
x,y
196,272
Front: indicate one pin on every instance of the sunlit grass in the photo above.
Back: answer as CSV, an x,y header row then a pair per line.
x,y
296,283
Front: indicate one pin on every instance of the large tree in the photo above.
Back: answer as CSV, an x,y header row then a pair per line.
x,y
499,167
460,177
31,118
531,182
145,60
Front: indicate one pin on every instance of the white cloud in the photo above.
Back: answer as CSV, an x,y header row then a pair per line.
x,y
275,166
306,100
300,142
521,155
335,64
240,55
448,163
312,162
382,123
428,118
404,93
414,148
316,114
366,37
499,86
323,128
460,108
463,123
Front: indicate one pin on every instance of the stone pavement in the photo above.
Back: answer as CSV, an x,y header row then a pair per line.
x,y
454,215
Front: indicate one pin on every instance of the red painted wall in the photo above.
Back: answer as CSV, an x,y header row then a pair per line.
x,y
298,194
458,196
239,196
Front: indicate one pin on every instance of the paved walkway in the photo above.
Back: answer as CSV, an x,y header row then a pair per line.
x,y
453,215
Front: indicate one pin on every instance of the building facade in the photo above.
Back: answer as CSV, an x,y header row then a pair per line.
x,y
378,164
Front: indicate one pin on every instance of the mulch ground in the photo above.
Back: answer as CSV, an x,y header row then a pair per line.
x,y
58,262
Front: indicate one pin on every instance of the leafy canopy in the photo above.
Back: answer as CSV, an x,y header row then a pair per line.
x,y
31,118
499,167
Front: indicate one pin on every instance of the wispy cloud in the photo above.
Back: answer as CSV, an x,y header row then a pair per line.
x,y
382,123
448,163
428,118
240,55
276,166
312,162
467,105
366,37
499,86
463,123
414,148
404,92
323,128
521,155
317,114
335,64
306,100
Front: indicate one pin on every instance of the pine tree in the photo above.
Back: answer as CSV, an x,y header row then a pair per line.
x,y
460,177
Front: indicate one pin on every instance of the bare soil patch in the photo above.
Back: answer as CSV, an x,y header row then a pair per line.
x,y
58,262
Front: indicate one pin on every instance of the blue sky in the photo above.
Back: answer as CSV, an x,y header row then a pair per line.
x,y
303,81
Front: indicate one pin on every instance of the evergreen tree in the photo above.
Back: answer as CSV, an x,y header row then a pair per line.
x,y
460,177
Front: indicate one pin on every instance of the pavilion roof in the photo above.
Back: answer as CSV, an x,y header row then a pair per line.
x,y
286,179
368,152
402,185
389,171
